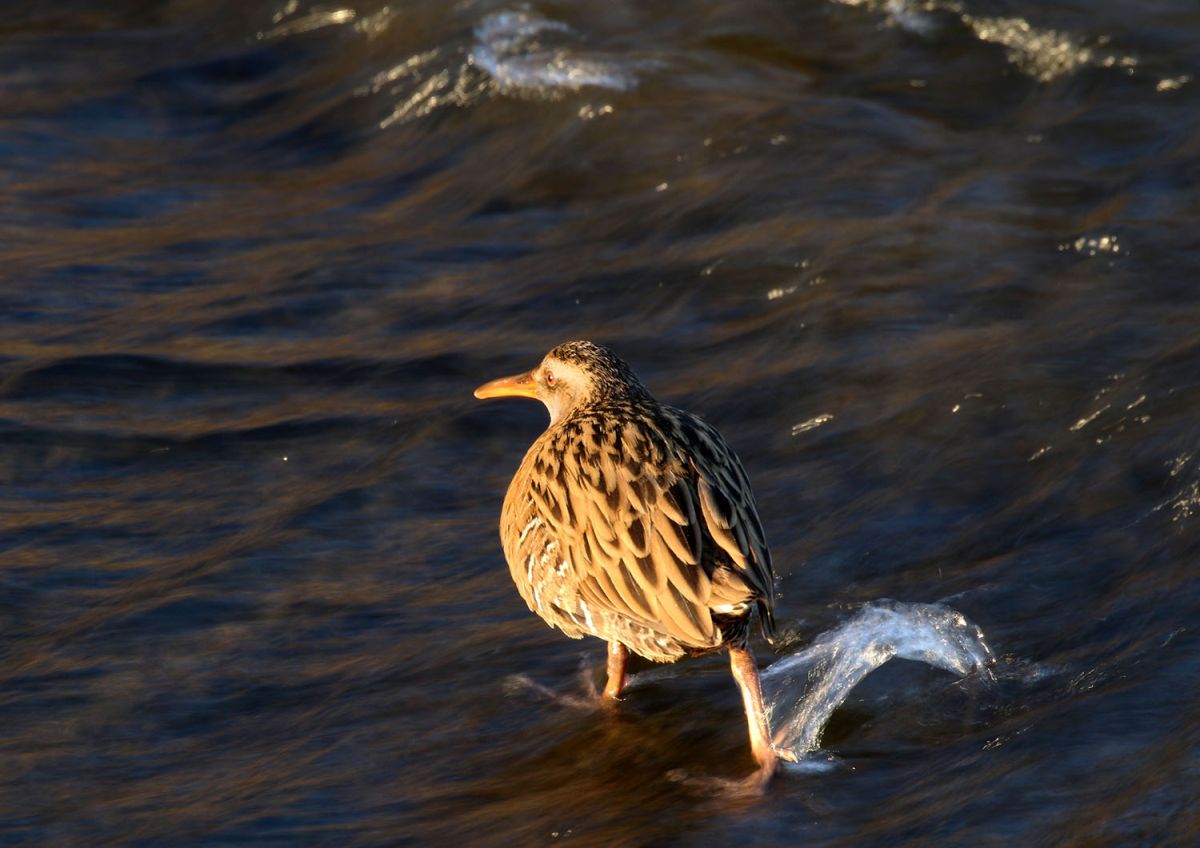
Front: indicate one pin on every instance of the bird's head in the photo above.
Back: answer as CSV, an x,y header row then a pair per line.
x,y
572,376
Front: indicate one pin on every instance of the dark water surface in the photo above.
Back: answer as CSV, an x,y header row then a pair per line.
x,y
931,267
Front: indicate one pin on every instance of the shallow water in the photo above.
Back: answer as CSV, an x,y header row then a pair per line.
x,y
930,267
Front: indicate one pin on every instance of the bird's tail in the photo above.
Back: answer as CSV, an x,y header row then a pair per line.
x,y
766,620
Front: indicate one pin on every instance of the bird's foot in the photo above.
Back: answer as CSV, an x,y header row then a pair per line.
x,y
606,698
785,753
589,698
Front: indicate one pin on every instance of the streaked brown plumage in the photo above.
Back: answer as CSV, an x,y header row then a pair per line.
x,y
634,522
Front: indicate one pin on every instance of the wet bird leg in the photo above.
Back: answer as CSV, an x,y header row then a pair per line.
x,y
745,672
618,656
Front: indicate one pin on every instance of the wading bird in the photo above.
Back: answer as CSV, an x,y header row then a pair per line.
x,y
634,522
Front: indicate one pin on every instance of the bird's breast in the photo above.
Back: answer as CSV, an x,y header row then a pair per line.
x,y
538,558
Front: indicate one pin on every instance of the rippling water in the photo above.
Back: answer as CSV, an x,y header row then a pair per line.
x,y
930,266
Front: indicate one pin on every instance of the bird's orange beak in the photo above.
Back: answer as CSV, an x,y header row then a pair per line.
x,y
518,385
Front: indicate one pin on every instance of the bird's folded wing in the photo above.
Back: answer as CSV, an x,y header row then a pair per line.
x,y
636,528
730,516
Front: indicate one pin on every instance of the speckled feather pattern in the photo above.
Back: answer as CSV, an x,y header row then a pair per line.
x,y
634,522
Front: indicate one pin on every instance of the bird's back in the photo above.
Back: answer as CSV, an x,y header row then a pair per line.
x,y
634,522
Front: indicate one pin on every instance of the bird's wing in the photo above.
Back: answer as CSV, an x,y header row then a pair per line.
x,y
640,519
731,518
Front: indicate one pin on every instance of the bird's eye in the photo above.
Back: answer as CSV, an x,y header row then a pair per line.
x,y
550,378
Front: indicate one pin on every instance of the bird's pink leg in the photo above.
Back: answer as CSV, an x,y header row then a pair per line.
x,y
618,655
745,672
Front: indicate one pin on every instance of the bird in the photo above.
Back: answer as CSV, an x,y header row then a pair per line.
x,y
634,522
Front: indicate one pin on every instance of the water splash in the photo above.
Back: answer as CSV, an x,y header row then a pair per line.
x,y
510,56
509,48
1042,53
827,670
